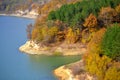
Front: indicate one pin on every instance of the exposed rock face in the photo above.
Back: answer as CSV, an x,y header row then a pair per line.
x,y
63,74
74,71
28,14
31,47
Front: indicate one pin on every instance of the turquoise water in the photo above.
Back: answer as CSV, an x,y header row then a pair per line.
x,y
15,65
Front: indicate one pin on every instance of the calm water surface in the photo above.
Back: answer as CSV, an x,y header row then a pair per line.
x,y
15,65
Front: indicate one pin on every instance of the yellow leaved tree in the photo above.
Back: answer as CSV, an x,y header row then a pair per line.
x,y
72,36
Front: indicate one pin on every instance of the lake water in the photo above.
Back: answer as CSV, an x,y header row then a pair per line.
x,y
15,65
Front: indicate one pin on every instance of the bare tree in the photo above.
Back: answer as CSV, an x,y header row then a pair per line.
x,y
29,31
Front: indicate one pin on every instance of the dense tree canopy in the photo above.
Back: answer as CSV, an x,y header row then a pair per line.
x,y
111,42
73,14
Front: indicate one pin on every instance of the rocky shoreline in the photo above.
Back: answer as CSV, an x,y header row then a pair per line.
x,y
31,47
73,71
19,15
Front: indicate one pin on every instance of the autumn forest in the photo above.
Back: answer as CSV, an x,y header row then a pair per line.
x,y
94,23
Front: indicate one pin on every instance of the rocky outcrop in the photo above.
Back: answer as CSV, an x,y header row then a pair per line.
x,y
28,14
31,47
74,71
63,74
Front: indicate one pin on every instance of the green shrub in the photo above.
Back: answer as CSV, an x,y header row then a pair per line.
x,y
111,42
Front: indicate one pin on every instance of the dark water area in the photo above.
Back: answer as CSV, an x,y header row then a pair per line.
x,y
15,65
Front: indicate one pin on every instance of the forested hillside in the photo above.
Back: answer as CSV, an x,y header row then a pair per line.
x,y
76,13
95,23
74,22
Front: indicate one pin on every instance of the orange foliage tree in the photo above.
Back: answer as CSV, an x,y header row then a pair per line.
x,y
94,45
91,22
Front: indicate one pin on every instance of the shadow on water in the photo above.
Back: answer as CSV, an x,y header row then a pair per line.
x,y
46,64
